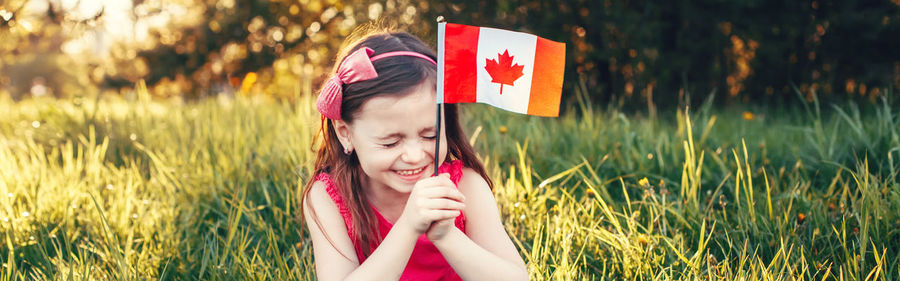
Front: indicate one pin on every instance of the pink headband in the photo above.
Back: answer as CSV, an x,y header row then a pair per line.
x,y
356,67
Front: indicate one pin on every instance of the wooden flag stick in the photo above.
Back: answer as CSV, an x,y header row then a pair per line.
x,y
440,97
437,140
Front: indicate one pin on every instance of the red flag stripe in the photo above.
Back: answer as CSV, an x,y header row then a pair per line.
x,y
546,83
460,63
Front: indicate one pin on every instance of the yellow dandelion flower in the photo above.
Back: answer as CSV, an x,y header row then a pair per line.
x,y
644,182
503,129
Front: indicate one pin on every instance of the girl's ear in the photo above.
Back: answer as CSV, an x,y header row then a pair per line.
x,y
343,133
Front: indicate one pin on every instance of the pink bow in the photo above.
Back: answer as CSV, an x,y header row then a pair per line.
x,y
356,67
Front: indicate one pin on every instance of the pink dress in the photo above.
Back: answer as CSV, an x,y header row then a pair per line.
x,y
425,262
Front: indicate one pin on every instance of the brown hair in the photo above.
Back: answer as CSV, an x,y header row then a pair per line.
x,y
395,76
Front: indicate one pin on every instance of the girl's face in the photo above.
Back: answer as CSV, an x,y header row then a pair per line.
x,y
393,136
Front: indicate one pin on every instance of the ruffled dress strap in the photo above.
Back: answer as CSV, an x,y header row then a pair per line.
x,y
454,168
338,200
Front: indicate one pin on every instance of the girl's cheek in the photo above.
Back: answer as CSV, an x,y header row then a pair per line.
x,y
386,154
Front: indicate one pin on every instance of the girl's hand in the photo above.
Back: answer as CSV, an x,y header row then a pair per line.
x,y
440,229
432,200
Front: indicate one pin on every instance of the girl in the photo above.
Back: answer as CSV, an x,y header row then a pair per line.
x,y
374,211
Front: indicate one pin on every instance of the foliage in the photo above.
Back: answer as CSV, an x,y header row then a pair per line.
x,y
678,53
180,48
113,189
653,53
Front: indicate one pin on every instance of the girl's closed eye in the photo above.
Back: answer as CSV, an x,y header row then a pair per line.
x,y
394,143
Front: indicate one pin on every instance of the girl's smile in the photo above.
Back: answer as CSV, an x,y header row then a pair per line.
x,y
410,173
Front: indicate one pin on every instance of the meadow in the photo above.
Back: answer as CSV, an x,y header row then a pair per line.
x,y
141,189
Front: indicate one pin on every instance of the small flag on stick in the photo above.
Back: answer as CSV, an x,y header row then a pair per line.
x,y
511,70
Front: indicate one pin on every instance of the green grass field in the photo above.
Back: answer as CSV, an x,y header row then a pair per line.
x,y
110,189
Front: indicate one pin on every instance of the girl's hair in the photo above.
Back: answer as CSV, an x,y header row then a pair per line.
x,y
396,75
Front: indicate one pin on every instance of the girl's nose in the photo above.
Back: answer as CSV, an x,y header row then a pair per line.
x,y
414,152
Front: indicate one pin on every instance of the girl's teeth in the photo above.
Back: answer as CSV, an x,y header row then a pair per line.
x,y
409,172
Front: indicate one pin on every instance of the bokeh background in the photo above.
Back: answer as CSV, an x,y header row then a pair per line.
x,y
630,53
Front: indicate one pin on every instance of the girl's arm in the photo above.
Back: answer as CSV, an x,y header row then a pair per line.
x,y
385,263
487,253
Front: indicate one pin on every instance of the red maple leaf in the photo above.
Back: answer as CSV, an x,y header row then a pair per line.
x,y
503,72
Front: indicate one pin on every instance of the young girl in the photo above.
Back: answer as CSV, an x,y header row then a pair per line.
x,y
374,210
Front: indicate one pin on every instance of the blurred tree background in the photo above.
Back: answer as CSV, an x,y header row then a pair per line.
x,y
628,53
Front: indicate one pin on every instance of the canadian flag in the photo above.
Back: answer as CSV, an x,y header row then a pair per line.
x,y
511,70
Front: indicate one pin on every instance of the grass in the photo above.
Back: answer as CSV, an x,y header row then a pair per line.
x,y
110,189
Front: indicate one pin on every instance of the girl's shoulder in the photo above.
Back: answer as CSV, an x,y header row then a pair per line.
x,y
470,180
321,192
324,180
324,185
320,202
